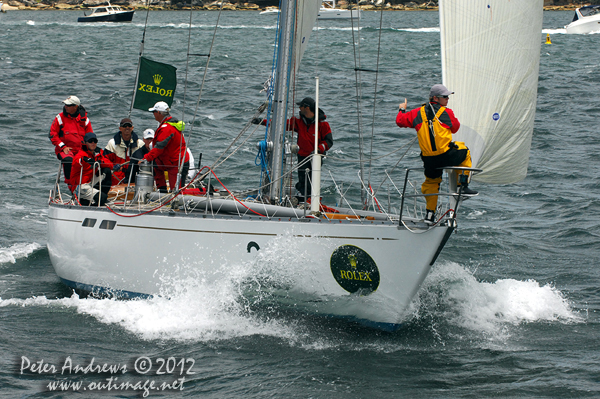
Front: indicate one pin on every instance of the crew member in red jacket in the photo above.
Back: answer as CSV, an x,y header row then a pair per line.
x,y
435,124
168,148
67,131
304,125
91,173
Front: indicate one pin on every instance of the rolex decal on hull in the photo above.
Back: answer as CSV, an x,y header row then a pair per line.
x,y
354,270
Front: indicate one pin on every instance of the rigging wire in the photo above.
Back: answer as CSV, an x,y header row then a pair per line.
x,y
357,69
182,156
269,87
187,63
212,43
375,94
137,73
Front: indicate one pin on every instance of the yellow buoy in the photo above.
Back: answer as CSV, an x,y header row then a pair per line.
x,y
548,41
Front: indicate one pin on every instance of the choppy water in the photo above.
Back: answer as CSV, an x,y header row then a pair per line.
x,y
510,309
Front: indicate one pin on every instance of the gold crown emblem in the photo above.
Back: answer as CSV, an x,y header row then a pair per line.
x,y
353,261
157,79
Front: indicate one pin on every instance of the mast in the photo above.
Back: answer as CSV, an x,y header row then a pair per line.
x,y
277,126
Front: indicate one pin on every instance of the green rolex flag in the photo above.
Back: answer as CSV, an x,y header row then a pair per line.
x,y
156,82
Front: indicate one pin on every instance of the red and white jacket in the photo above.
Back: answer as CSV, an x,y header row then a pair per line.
x,y
67,130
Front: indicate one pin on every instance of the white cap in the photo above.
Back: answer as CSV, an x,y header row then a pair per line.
x,y
160,106
148,134
72,100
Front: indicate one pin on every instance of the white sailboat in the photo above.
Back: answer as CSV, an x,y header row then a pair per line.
x,y
365,266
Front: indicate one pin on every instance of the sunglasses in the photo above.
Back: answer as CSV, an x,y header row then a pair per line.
x,y
127,125
70,105
443,96
92,141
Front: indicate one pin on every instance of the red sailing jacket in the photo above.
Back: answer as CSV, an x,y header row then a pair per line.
x,y
67,130
168,145
79,164
306,134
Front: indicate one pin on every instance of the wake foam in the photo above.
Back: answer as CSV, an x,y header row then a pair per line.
x,y
17,251
453,294
245,300
202,317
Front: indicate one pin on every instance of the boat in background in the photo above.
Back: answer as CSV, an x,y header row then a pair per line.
x,y
585,20
270,10
329,11
108,13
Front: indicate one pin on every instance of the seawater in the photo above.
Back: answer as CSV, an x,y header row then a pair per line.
x,y
509,310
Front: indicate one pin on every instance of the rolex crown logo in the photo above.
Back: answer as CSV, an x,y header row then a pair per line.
x,y
157,79
352,259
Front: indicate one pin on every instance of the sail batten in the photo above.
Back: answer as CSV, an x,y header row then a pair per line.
x,y
490,59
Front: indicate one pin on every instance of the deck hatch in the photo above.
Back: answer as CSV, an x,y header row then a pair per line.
x,y
108,224
87,222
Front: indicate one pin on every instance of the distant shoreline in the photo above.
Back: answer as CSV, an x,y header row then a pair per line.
x,y
233,7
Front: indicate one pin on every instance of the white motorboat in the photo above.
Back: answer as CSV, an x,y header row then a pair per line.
x,y
270,10
585,20
361,265
108,13
329,11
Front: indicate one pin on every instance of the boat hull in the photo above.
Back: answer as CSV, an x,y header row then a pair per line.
x,y
338,14
125,16
94,249
584,25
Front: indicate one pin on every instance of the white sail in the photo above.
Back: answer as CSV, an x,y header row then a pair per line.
x,y
306,19
490,59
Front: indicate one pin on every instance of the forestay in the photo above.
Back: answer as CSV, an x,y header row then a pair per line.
x,y
490,59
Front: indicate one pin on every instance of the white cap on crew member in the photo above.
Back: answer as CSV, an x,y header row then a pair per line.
x,y
160,106
148,134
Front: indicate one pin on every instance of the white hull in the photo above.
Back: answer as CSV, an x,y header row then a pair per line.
x,y
141,253
583,26
335,13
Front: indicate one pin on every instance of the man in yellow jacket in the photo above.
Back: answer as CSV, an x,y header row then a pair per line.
x,y
435,124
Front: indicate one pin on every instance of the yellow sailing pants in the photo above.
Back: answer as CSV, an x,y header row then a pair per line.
x,y
432,185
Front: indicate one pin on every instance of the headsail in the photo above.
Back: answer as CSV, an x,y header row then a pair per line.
x,y
490,59
305,21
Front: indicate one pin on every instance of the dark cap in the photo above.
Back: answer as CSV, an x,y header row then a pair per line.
x,y
307,102
125,120
89,136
